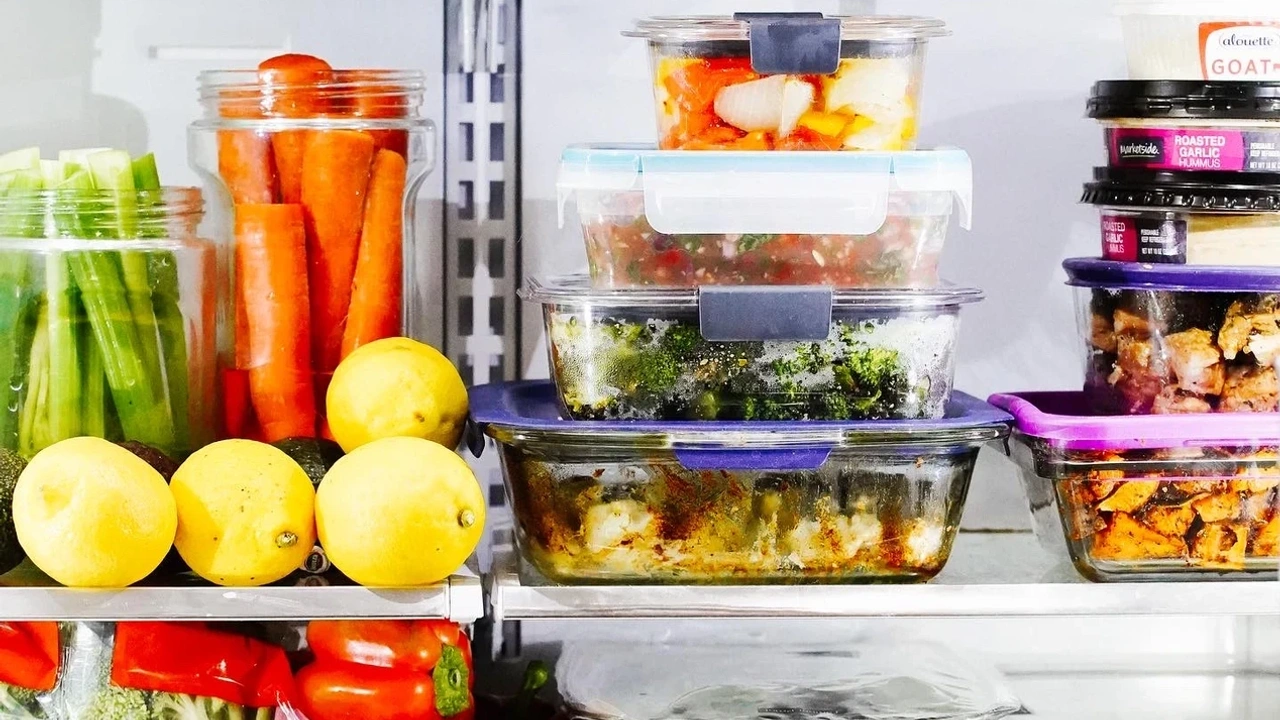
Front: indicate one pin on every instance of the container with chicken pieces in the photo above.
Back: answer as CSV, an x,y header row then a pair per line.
x,y
638,502
787,81
1150,498
1165,339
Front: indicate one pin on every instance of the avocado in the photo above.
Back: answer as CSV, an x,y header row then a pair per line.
x,y
162,463
315,455
11,466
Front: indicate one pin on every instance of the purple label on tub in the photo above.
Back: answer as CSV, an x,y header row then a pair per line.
x,y
1194,149
1130,238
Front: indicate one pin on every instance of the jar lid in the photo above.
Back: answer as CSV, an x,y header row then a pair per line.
x,y
1117,275
702,28
1195,191
1185,99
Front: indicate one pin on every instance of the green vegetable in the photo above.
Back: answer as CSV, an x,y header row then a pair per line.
x,y
315,455
18,703
11,555
747,243
172,706
452,681
117,703
536,676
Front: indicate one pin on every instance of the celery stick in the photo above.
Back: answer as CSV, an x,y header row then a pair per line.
x,y
146,176
37,376
64,343
54,172
94,387
24,159
16,318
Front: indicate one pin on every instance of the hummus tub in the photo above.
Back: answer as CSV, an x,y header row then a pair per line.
x,y
787,81
656,218
1201,39
1182,497
732,502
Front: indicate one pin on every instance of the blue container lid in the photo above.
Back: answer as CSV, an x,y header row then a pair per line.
x,y
1117,275
529,411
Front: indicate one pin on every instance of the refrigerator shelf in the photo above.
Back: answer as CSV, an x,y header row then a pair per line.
x,y
989,575
25,594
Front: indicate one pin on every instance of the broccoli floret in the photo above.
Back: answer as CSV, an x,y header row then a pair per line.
x,y
764,408
680,340
20,703
634,334
24,696
834,405
176,706
877,368
651,371
117,703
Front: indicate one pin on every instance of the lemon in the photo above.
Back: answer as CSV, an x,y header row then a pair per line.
x,y
91,514
399,512
396,387
246,513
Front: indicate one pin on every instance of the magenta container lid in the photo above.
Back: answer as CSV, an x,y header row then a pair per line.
x,y
1063,419
1118,275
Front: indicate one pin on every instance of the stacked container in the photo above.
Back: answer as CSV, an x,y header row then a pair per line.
x,y
753,383
1151,471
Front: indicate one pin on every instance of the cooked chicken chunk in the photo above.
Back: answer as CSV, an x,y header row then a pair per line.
x,y
1252,327
1220,545
1215,508
1103,334
1266,542
1250,389
1170,520
1172,401
1195,361
1124,538
1131,324
1130,496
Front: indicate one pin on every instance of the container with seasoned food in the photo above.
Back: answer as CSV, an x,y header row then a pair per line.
x,y
1164,339
787,81
750,352
716,502
1189,125
1176,497
1188,218
1201,39
651,217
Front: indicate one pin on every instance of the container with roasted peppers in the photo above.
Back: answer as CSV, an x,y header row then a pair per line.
x,y
1181,497
654,218
312,172
732,502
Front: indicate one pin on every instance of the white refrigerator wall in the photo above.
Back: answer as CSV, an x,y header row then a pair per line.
x,y
1009,86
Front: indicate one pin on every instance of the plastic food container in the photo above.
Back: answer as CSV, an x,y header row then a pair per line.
x,y
1201,39
657,218
1169,339
312,175
706,502
1177,497
1188,218
787,81
1172,125
751,352
106,320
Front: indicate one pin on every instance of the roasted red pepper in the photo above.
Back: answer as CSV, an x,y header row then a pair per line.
x,y
30,655
195,659
387,670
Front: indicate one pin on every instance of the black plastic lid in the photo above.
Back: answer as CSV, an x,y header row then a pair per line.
x,y
1195,191
1189,99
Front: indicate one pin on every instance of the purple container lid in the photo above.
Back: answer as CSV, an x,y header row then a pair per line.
x,y
1063,419
532,407
1117,275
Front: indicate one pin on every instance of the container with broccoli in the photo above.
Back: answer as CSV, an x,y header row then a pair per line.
x,y
641,354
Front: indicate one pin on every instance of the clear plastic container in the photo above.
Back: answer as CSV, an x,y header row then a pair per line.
x,y
107,319
312,176
716,502
1185,497
751,352
1167,339
655,218
1188,218
1201,39
787,81
1189,125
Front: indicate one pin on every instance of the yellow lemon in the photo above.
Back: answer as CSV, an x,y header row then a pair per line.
x,y
399,512
91,514
396,387
246,513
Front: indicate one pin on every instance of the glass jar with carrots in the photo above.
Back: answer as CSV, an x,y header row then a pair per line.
x,y
316,170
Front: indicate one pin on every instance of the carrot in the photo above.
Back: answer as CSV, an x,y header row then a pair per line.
x,y
246,166
271,259
290,88
370,99
374,312
237,410
336,176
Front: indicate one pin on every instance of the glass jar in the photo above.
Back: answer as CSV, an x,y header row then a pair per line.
x,y
313,176
107,319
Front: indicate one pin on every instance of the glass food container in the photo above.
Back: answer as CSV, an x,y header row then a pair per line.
x,y
1181,497
751,352
1200,39
106,319
651,217
716,502
1166,339
787,81
1180,125
1188,218
314,174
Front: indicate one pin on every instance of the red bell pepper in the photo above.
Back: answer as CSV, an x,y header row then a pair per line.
x,y
387,670
195,659
30,655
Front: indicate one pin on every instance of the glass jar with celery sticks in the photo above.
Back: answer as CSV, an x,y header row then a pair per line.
x,y
314,171
106,306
